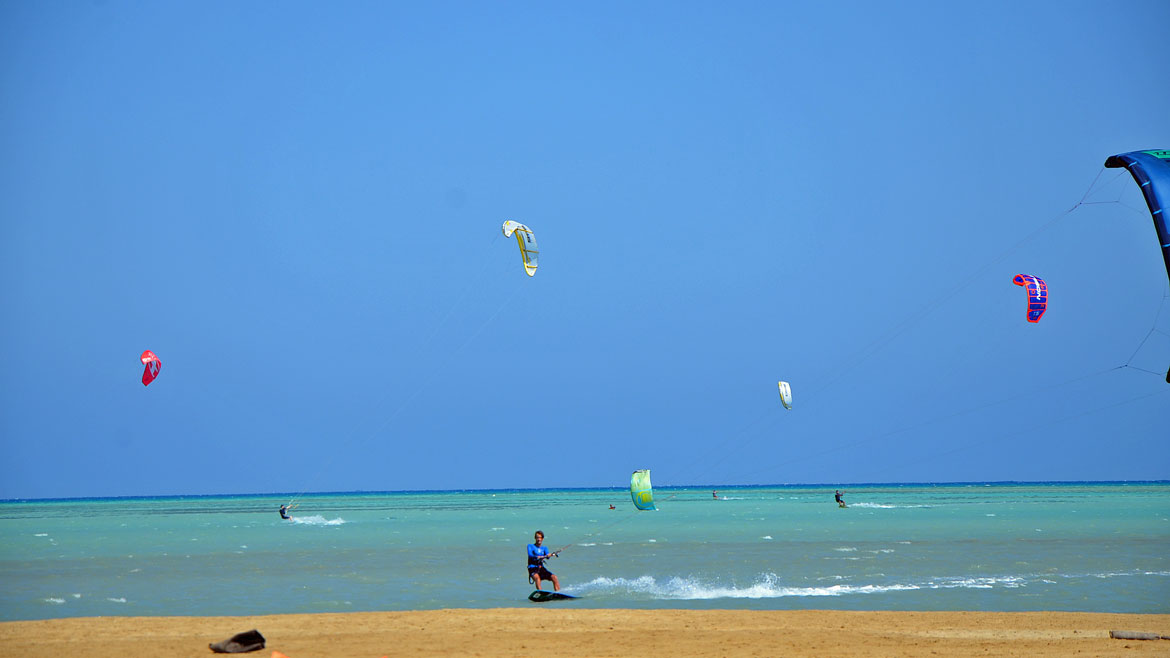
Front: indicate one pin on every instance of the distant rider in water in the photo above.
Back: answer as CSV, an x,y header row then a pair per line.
x,y
840,500
284,512
537,554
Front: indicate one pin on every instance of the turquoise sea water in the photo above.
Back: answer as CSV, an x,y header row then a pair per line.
x,y
1101,547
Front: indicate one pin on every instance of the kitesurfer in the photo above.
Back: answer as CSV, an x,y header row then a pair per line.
x,y
284,512
840,500
715,495
537,554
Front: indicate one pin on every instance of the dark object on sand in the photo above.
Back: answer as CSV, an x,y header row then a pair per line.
x,y
240,643
1134,635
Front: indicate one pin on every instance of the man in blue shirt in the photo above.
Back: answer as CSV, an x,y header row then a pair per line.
x,y
537,554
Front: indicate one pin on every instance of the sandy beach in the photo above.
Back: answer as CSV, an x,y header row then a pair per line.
x,y
562,631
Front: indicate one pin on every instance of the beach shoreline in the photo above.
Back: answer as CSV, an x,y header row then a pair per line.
x,y
555,629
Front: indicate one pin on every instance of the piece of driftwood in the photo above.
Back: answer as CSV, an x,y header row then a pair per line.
x,y
1136,635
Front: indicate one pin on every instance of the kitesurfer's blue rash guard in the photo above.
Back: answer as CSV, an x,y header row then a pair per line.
x,y
535,555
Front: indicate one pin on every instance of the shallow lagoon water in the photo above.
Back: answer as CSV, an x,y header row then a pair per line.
x,y
1094,547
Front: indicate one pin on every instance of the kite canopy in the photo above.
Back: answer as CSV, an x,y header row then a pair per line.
x,y
1037,295
153,365
527,242
1151,171
640,490
785,395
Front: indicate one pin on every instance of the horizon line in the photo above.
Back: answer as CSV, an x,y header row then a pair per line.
x,y
370,492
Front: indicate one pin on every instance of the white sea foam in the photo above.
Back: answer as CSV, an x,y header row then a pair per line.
x,y
885,506
317,519
766,587
116,600
845,549
766,537
54,600
769,585
41,534
983,582
1117,574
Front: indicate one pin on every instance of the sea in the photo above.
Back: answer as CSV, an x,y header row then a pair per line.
x,y
1079,546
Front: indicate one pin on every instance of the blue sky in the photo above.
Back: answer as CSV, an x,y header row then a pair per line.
x,y
297,206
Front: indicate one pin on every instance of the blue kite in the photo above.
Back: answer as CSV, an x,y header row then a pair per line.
x,y
1151,171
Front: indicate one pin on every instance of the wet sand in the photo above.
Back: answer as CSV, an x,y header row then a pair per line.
x,y
557,630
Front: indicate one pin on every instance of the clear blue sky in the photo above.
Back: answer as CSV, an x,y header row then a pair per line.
x,y
297,206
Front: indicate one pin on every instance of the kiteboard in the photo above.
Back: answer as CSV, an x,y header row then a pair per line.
x,y
541,596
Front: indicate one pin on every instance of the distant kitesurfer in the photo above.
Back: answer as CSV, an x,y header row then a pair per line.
x,y
537,554
612,507
284,512
840,500
715,495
